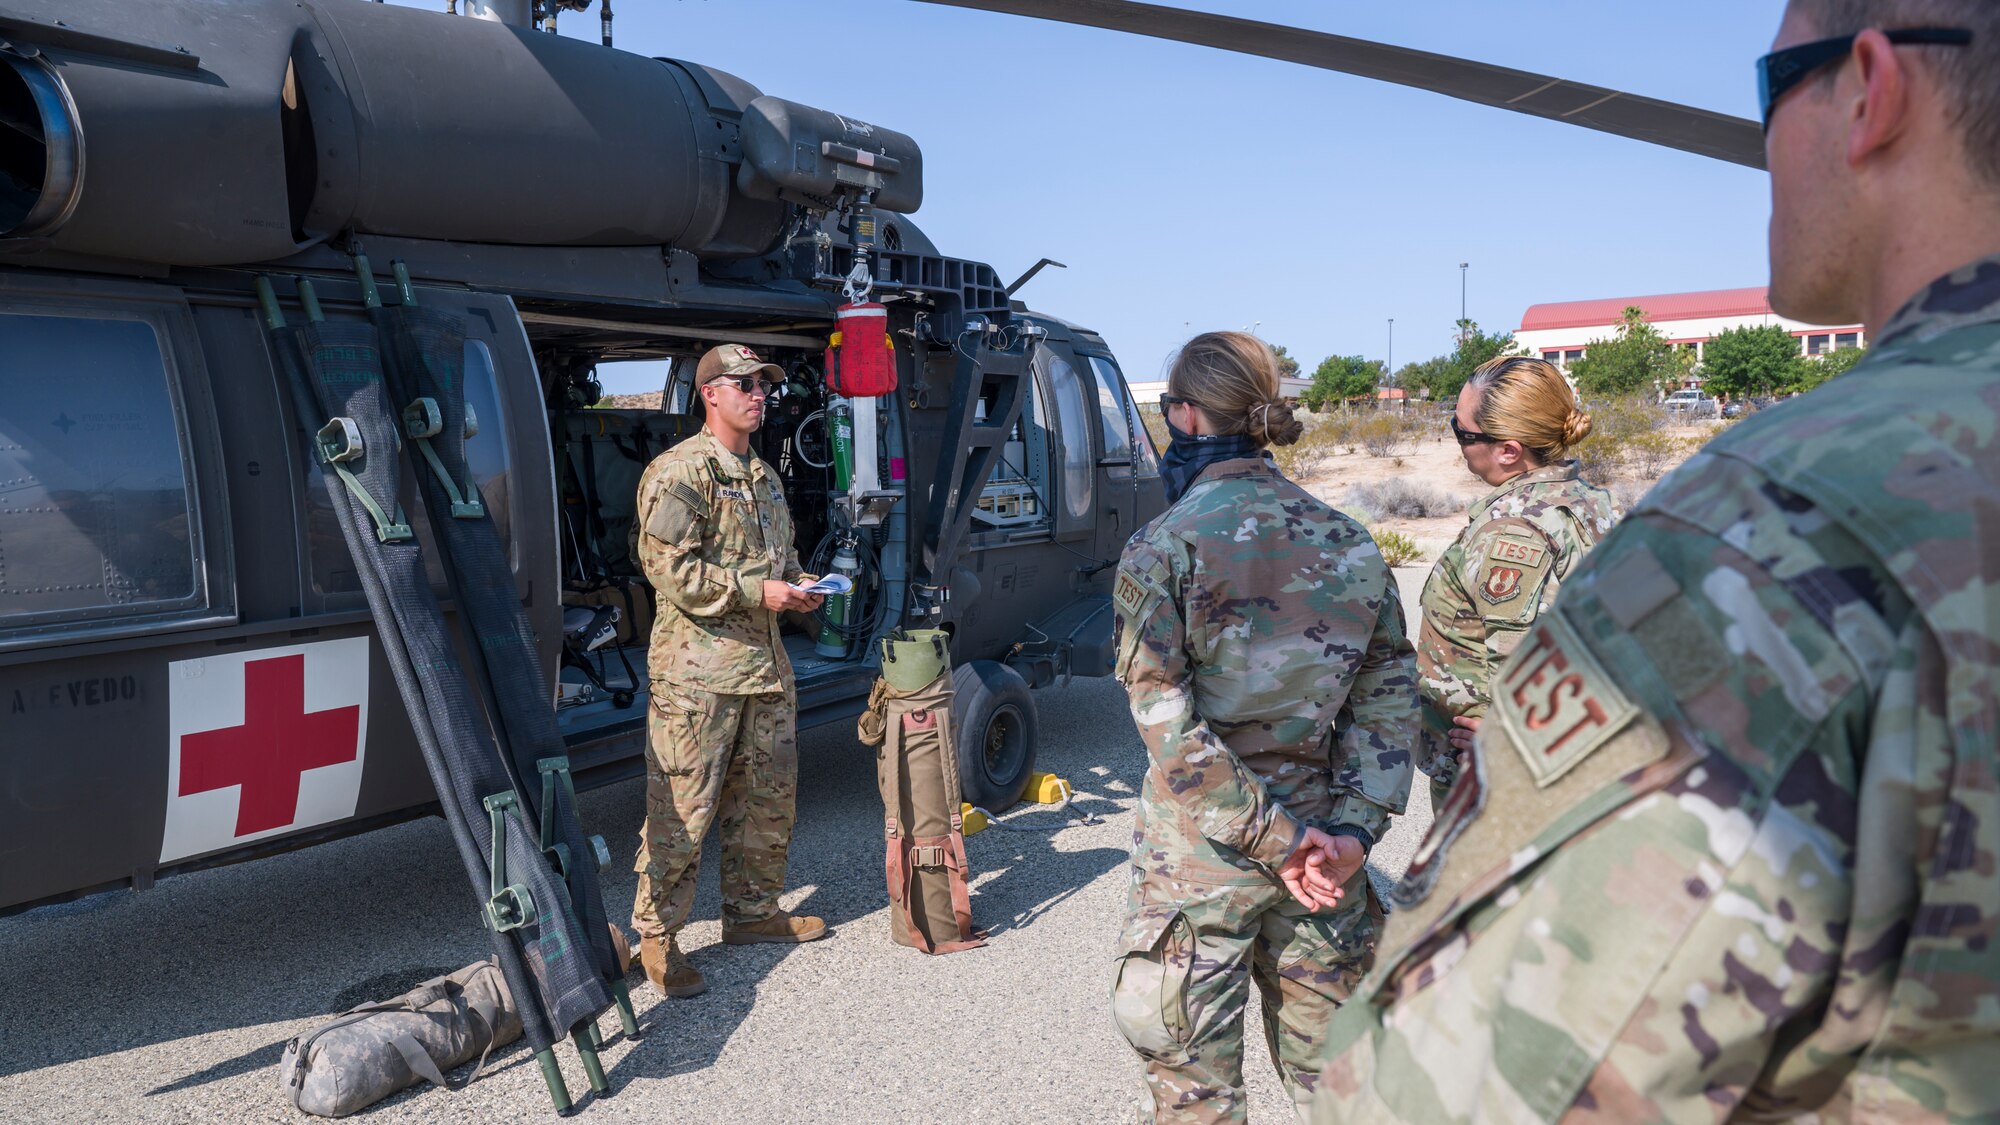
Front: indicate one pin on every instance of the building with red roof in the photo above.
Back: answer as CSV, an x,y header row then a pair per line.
x,y
1561,331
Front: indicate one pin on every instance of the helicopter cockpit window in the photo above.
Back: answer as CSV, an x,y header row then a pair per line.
x,y
97,509
1075,418
1122,424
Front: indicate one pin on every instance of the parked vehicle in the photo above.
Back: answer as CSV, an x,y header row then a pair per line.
x,y
1691,404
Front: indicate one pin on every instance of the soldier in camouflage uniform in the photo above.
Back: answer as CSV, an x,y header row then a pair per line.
x,y
715,540
1516,420
1261,642
1730,848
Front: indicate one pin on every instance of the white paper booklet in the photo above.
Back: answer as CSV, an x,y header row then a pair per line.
x,y
831,584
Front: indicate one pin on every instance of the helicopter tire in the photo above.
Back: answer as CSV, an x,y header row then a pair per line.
x,y
994,731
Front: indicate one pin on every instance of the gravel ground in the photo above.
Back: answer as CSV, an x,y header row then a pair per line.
x,y
174,1004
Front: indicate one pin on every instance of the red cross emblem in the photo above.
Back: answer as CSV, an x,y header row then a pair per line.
x,y
277,742
263,742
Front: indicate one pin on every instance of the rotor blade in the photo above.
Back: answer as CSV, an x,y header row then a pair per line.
x,y
1699,131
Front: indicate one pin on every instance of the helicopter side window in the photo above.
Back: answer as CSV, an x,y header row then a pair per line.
x,y
486,455
1074,421
486,452
1122,424
97,510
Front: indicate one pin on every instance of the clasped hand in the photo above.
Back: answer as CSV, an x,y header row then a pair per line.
x,y
1320,866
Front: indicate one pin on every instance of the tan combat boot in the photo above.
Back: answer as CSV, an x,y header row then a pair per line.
x,y
779,927
669,969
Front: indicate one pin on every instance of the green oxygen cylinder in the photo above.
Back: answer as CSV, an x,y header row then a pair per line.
x,y
840,428
832,642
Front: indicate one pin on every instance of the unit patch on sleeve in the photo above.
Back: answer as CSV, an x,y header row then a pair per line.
x,y
1510,575
1129,593
1523,553
1556,701
1502,583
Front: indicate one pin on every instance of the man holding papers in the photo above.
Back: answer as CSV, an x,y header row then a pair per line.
x,y
715,540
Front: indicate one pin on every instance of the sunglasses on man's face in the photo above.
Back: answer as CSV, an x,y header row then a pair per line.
x,y
749,384
1779,71
1471,437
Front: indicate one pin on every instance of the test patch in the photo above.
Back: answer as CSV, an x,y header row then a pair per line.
x,y
1556,701
1523,553
1129,593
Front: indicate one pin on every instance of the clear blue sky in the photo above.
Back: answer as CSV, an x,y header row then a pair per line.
x,y
1190,189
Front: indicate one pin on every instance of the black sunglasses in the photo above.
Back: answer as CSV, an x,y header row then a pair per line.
x,y
1167,400
750,384
1779,71
1472,437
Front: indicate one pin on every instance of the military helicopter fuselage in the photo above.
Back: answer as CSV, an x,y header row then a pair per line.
x,y
189,672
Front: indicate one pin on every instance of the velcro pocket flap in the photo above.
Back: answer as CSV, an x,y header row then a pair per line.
x,y
1146,927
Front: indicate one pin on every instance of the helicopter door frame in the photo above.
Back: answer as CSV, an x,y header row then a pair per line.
x,y
213,599
1075,516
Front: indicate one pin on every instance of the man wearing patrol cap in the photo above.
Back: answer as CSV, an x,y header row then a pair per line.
x,y
714,538
1729,848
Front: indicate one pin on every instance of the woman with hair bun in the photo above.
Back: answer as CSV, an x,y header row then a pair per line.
x,y
1261,643
1516,421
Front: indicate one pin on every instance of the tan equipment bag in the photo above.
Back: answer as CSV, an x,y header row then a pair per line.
x,y
916,770
368,1053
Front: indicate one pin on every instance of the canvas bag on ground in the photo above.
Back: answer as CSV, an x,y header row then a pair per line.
x,y
916,770
368,1053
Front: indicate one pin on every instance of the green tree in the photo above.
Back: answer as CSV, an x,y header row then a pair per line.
x,y
1288,368
1812,372
1340,378
1443,375
1758,360
1636,360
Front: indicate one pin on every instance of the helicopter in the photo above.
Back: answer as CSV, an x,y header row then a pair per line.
x,y
166,539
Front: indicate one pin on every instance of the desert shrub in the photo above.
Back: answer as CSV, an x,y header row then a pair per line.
x,y
1403,498
1397,549
1650,453
1309,455
1385,433
1156,426
1599,457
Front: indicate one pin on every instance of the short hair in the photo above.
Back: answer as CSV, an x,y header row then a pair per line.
x,y
1968,76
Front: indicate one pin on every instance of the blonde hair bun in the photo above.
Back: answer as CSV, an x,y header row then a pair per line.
x,y
1576,427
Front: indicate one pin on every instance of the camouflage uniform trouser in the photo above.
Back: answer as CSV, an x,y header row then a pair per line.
x,y
729,757
1183,980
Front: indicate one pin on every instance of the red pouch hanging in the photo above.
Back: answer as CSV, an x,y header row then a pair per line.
x,y
861,358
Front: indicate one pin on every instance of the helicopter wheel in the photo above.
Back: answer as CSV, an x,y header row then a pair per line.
x,y
994,733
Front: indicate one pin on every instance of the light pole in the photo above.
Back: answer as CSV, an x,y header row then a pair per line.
x,y
1389,364
1461,298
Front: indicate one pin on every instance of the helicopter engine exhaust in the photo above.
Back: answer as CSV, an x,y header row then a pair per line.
x,y
195,133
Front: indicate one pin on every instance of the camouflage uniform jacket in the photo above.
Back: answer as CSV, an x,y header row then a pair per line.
x,y
1487,588
1262,646
1734,846
709,533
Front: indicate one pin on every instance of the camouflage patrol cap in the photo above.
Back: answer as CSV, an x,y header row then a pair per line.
x,y
732,360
